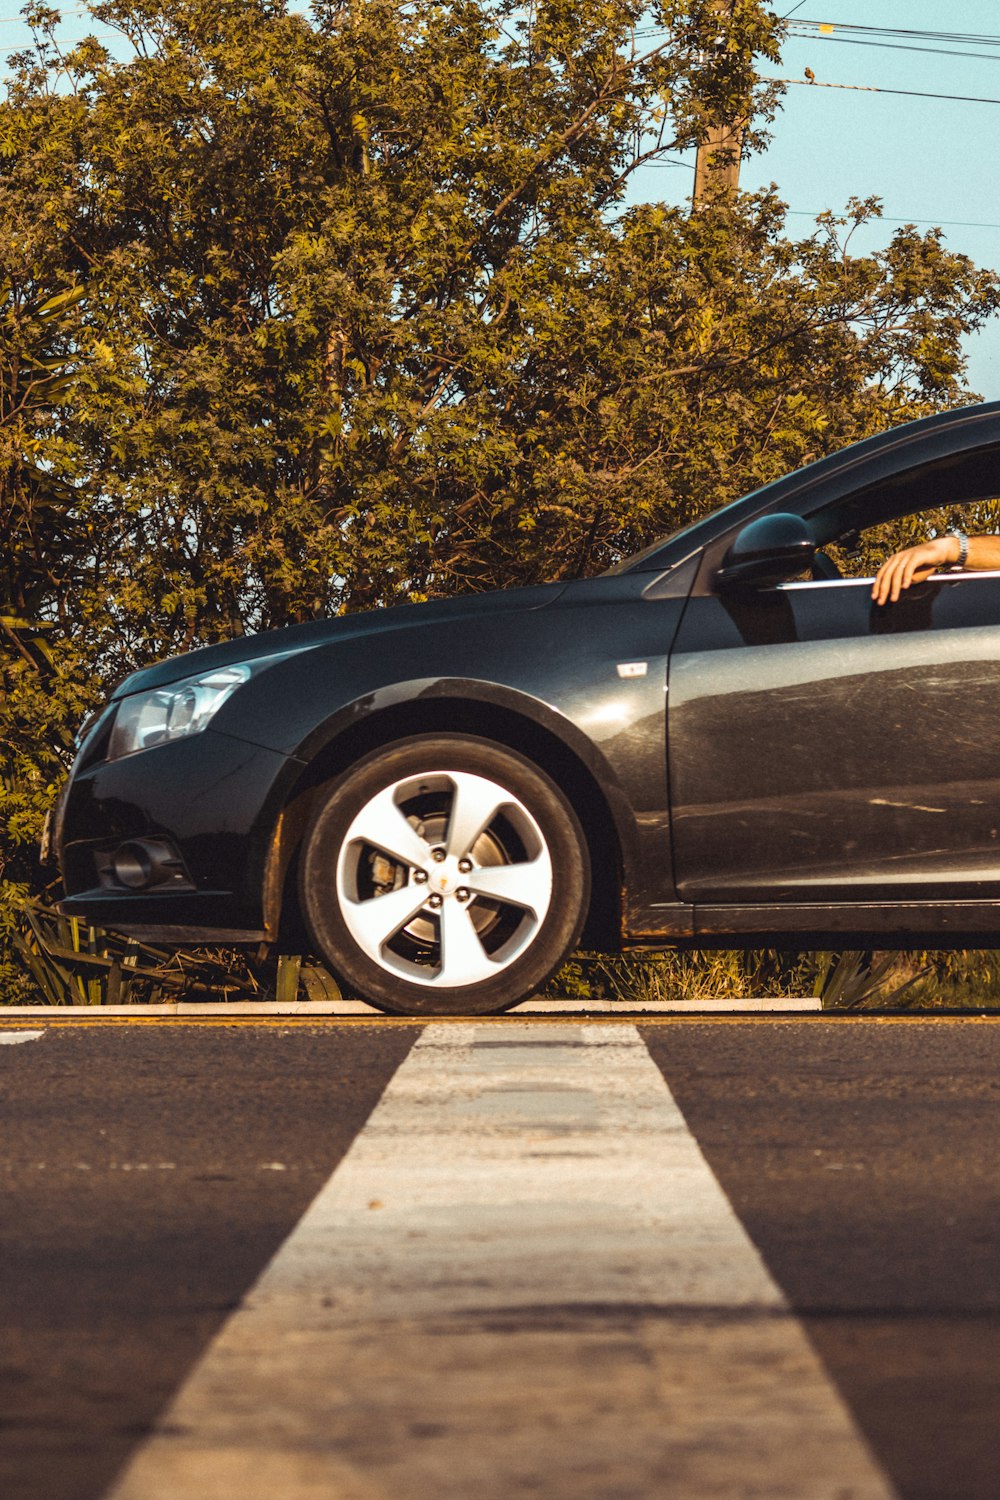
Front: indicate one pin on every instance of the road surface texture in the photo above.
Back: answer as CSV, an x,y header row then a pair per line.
x,y
597,1260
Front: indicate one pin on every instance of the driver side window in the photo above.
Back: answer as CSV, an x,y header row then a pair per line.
x,y
860,554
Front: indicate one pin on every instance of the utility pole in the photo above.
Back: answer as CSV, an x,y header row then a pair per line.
x,y
718,161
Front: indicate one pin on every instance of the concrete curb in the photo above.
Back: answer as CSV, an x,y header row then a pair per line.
x,y
309,1008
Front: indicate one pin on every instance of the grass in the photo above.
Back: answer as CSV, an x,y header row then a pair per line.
x,y
845,980
61,961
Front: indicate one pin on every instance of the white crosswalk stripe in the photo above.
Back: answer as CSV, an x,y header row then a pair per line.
x,y
523,1278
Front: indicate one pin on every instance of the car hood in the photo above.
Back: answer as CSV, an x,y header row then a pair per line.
x,y
296,638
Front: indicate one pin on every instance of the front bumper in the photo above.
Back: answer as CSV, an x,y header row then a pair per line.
x,y
214,798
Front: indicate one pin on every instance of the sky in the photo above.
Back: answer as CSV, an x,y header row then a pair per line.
x,y
931,161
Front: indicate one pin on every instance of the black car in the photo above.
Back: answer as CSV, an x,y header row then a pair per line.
x,y
723,743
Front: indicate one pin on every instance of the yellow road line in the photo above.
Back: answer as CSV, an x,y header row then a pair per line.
x,y
601,1019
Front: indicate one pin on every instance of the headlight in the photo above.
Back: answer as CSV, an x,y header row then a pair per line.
x,y
171,713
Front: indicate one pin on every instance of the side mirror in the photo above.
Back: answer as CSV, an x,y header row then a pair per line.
x,y
769,550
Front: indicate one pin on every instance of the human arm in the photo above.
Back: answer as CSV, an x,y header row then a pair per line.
x,y
914,564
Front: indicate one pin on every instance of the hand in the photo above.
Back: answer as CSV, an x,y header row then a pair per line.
x,y
913,565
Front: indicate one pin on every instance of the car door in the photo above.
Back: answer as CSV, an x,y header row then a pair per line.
x,y
824,748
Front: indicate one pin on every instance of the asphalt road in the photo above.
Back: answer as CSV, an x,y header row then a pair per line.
x,y
150,1172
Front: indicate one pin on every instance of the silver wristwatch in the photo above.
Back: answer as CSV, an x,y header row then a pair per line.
x,y
963,549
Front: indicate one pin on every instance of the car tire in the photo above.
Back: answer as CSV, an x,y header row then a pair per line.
x,y
444,875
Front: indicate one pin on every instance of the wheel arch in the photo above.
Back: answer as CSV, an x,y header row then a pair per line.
x,y
351,737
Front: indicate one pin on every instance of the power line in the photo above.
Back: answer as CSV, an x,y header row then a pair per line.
x,y
899,36
983,38
70,10
854,41
807,213
867,88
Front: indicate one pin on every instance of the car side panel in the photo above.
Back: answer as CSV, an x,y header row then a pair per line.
x,y
558,668
824,748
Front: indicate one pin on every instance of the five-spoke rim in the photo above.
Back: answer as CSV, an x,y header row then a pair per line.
x,y
444,878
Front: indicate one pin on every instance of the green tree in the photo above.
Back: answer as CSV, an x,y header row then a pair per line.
x,y
41,697
318,257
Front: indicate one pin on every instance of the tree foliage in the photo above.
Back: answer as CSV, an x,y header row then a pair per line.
x,y
304,313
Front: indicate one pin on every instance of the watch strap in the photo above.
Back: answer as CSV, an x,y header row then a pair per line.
x,y
963,548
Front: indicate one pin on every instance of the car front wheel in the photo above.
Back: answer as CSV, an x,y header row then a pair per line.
x,y
444,875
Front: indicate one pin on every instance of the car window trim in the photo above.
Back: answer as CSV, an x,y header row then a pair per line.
x,y
840,583
823,583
